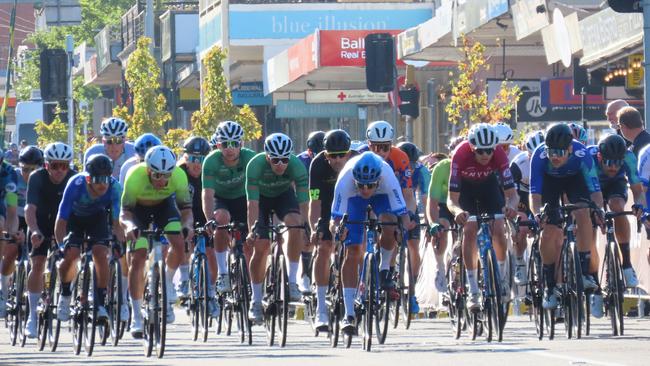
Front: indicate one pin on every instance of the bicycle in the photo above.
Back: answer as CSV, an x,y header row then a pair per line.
x,y
114,300
199,283
17,299
335,290
49,327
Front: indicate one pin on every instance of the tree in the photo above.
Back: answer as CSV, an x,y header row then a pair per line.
x,y
469,100
218,105
149,106
57,131
174,139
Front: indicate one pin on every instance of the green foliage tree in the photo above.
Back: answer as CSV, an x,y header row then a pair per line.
x,y
57,131
149,106
218,105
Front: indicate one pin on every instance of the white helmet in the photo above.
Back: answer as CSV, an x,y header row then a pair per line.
x,y
482,136
533,140
504,133
57,151
114,127
278,145
160,159
380,131
229,131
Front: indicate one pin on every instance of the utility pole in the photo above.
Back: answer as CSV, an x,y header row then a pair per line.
x,y
148,23
69,47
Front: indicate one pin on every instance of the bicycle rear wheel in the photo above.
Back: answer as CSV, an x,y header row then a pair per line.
x,y
55,329
578,294
407,290
454,296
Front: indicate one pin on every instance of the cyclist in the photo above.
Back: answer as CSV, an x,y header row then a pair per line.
x,y
314,147
365,180
224,190
155,189
142,144
579,133
614,164
437,211
270,178
44,192
9,223
88,198
322,177
474,189
506,139
520,168
562,166
114,145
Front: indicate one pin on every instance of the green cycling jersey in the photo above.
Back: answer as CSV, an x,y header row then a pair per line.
x,y
261,180
227,181
439,185
139,190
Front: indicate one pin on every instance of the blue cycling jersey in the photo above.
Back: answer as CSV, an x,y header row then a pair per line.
x,y
305,158
76,199
421,178
628,169
579,162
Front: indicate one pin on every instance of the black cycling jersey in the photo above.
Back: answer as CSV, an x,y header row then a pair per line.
x,y
46,196
322,179
195,192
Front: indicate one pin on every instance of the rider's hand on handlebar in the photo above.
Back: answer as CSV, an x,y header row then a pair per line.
x,y
510,212
132,233
316,237
461,218
638,211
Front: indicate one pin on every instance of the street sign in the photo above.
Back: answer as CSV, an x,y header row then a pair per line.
x,y
634,79
626,6
360,96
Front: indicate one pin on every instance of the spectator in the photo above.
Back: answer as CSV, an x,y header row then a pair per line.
x,y
612,112
23,144
11,155
632,128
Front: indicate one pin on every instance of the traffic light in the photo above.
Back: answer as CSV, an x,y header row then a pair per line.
x,y
626,6
54,74
380,62
410,102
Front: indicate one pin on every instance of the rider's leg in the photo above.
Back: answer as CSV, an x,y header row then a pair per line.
x,y
100,260
295,244
322,272
350,275
470,255
261,250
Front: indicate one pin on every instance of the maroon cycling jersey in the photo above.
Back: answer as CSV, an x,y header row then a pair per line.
x,y
464,167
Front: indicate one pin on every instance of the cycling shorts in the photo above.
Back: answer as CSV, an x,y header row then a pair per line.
x,y
357,212
281,205
554,187
237,207
165,215
484,197
615,187
94,227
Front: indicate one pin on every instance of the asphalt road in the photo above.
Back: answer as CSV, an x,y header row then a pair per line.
x,y
428,342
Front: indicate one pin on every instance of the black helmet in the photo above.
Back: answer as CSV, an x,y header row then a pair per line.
x,y
196,145
315,141
411,150
99,165
336,141
558,136
31,155
612,147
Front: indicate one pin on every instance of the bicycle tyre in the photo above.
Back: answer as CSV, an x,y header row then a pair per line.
x,y
194,298
77,312
370,285
90,310
270,311
160,331
54,331
497,317
284,299
115,301
579,295
246,331
204,299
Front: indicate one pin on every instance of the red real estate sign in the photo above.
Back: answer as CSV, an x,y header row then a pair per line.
x,y
347,47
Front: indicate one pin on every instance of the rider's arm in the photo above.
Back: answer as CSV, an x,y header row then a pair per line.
x,y
453,197
11,223
253,172
409,197
433,210
537,164
32,202
512,198
208,183
301,180
636,183
60,229
207,200
314,213
590,175
128,201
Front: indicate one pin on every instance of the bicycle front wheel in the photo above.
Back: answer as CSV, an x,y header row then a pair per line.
x,y
161,304
369,281
89,318
284,299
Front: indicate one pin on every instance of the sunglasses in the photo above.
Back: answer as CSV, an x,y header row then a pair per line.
x,y
611,162
160,176
380,147
58,166
366,185
557,152
113,140
100,179
230,144
484,151
28,168
336,155
279,161
195,158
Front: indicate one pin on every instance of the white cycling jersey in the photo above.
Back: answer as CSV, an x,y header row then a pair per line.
x,y
129,151
513,152
521,172
128,164
643,165
346,189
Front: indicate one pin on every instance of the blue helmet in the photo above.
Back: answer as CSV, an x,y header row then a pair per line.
x,y
368,168
145,142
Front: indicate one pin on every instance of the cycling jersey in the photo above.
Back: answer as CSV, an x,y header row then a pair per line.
x,y
399,161
129,151
138,189
520,168
227,182
513,152
306,157
77,201
128,164
421,178
195,193
642,140
21,192
260,179
322,179
628,169
643,169
439,185
464,167
579,162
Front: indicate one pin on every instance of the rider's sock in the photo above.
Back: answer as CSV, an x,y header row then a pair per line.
x,y
4,284
101,295
348,300
502,271
386,258
625,253
33,303
257,292
305,258
321,294
184,270
520,261
65,289
472,280
169,276
549,275
136,306
440,261
585,259
293,271
222,262
125,287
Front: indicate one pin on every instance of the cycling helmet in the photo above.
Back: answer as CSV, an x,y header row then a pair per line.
x,y
482,136
612,147
534,140
558,136
504,133
145,142
380,131
455,141
214,140
114,127
99,165
196,145
579,133
229,131
31,155
278,145
368,168
337,141
160,159
315,141
57,151
411,150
